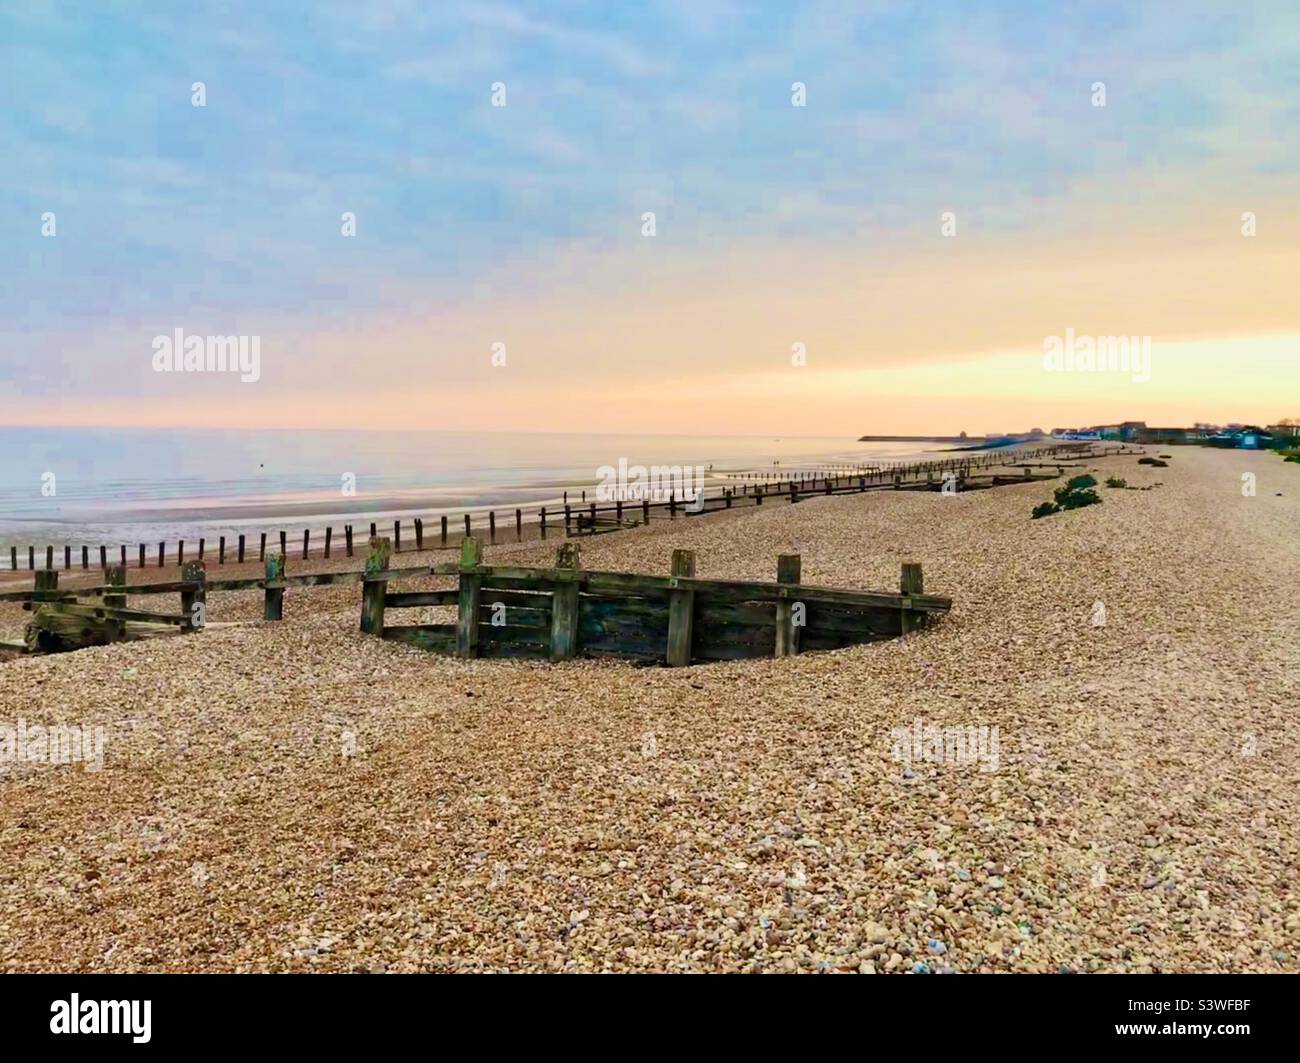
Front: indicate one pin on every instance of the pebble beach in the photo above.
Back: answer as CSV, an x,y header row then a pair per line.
x,y
299,796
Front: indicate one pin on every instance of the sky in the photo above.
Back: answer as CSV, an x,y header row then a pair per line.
x,y
961,182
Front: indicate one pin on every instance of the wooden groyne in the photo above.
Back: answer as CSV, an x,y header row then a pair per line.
x,y
963,473
509,611
566,611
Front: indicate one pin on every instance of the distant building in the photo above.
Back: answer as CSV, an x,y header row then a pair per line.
x,y
1165,435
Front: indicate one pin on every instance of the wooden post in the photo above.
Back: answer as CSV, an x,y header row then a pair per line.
x,y
568,516
329,532
115,576
306,541
273,607
444,530
471,555
180,553
645,511
67,557
419,535
543,520
468,534
347,536
397,536
103,558
49,557
910,582
788,570
201,542
221,550
284,543
564,606
681,611
261,549
241,549
194,572
13,557
46,585
123,549
85,557
373,590
162,547
519,525
492,527
141,555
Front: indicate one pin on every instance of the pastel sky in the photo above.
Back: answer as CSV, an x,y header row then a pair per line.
x,y
775,225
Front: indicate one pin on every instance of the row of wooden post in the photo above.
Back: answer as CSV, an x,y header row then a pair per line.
x,y
791,487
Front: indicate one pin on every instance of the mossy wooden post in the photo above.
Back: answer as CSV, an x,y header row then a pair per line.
x,y
194,572
374,589
910,582
788,571
115,576
681,611
274,605
47,585
564,606
471,556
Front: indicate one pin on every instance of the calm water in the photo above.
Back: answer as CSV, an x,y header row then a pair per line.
x,y
143,485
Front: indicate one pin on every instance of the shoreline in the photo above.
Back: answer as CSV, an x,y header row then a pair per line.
x,y
507,816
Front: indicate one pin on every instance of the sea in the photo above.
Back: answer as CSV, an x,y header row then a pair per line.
x,y
90,486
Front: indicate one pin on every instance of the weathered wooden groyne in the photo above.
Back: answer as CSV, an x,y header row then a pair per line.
x,y
509,611
567,611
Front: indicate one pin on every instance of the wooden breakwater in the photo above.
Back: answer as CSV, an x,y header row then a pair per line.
x,y
509,611
567,611
963,473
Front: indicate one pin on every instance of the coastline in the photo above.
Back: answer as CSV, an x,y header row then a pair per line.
x,y
504,815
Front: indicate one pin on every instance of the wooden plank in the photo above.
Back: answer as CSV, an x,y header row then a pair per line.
x,y
681,611
414,599
439,638
97,611
467,625
565,613
790,616
911,583
731,591
514,618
